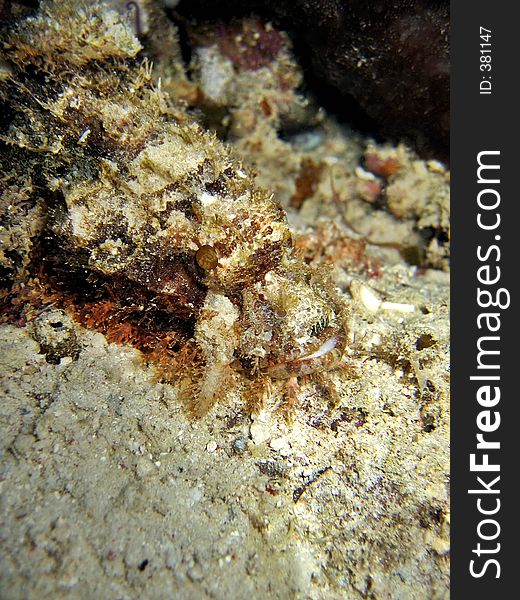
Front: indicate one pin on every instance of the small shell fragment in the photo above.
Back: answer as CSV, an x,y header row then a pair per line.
x,y
366,296
372,302
398,307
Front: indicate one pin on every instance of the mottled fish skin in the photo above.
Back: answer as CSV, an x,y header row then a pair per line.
x,y
150,200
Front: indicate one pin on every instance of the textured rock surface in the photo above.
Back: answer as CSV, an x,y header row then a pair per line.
x,y
392,58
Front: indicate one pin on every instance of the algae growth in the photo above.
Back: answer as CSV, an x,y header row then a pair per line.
x,y
204,238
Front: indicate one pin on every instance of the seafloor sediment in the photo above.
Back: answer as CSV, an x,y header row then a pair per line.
x,y
110,487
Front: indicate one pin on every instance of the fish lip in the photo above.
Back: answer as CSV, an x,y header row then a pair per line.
x,y
327,347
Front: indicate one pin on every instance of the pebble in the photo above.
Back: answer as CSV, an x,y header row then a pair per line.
x,y
211,446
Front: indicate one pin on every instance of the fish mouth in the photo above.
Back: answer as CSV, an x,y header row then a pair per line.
x,y
321,359
324,349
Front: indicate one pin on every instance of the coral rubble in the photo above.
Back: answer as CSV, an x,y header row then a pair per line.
x,y
392,58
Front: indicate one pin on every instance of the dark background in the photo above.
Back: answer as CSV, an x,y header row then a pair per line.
x,y
479,123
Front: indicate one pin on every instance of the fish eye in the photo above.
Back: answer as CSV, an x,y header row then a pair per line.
x,y
206,258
